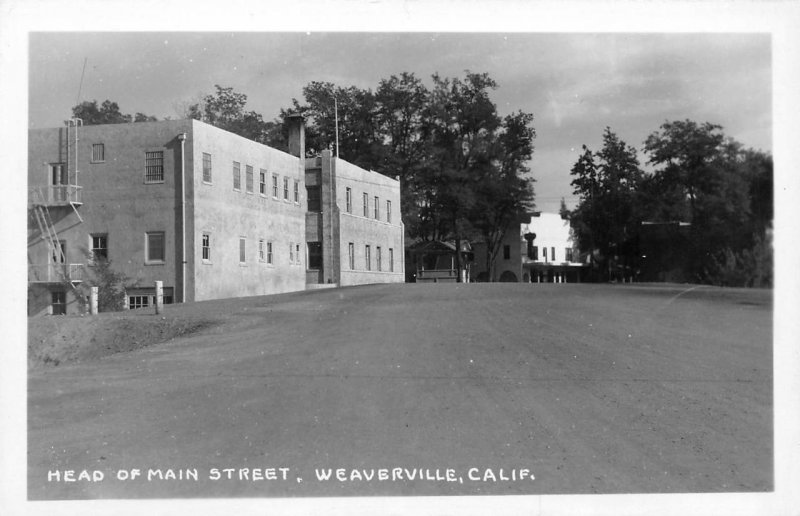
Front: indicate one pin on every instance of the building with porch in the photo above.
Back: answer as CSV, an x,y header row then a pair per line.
x,y
540,249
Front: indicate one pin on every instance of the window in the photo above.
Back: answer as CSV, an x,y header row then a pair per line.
x,y
291,252
144,297
297,253
349,200
366,204
275,185
262,182
206,247
154,167
378,258
59,252
506,252
59,178
135,302
206,167
377,209
535,253
59,302
154,244
351,255
388,211
367,258
314,255
544,253
553,253
248,178
285,188
313,199
98,152
99,247
242,250
391,260
297,192
262,255
568,254
269,253
237,176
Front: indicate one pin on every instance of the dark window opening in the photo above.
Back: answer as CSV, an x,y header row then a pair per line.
x,y
314,199
315,255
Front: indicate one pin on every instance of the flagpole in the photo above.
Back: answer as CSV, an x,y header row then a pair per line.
x,y
336,114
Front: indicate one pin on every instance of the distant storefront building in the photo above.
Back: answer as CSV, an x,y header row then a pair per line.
x,y
538,250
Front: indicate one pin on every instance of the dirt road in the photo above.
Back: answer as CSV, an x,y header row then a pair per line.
x,y
422,390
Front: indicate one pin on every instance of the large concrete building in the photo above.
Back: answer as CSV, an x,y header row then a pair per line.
x,y
353,225
207,212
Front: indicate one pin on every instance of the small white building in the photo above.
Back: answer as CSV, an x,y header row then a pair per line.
x,y
540,250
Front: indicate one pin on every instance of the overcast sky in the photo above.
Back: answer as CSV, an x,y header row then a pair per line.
x,y
574,84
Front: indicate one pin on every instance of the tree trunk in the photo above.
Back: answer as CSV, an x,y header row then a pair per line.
x,y
458,258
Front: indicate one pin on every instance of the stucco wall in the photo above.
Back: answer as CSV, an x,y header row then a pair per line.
x,y
227,215
116,200
363,231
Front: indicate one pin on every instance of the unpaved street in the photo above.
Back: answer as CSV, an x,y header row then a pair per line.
x,y
467,389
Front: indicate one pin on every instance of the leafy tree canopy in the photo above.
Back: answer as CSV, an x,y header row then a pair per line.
x,y
106,113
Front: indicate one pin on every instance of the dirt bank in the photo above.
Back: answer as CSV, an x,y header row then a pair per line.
x,y
65,339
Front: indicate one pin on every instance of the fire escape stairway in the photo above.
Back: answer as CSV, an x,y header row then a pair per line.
x,y
59,267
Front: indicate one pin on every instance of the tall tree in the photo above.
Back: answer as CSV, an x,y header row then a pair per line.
x,y
713,179
226,109
606,219
504,191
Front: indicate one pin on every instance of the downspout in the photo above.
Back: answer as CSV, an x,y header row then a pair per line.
x,y
182,138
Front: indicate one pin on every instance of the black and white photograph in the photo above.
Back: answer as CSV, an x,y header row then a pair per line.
x,y
365,260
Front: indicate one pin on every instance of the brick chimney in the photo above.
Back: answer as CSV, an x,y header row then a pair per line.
x,y
297,135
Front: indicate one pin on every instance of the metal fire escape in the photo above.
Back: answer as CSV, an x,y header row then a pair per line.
x,y
57,195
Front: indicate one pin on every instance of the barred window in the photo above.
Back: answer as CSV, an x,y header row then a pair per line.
x,y
286,188
206,167
275,185
98,152
296,192
154,167
248,178
237,175
269,253
367,258
242,250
